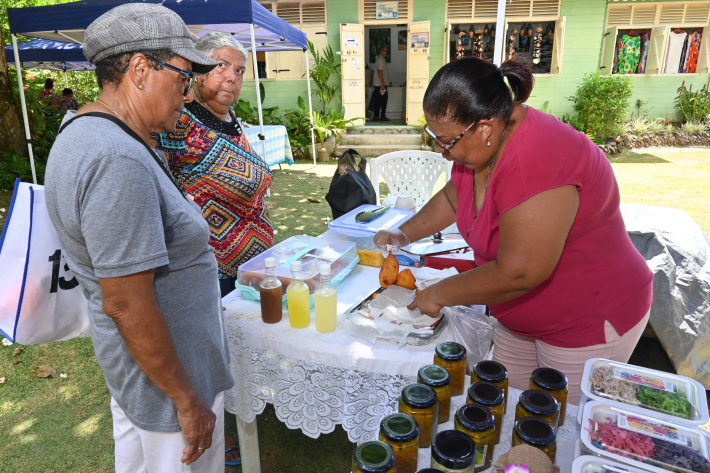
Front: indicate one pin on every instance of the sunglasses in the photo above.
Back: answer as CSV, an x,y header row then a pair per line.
x,y
450,144
190,75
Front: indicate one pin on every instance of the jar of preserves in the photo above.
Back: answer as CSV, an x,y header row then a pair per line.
x,y
401,432
537,433
452,356
536,403
491,396
439,379
373,457
453,452
555,383
419,401
493,372
476,421
429,470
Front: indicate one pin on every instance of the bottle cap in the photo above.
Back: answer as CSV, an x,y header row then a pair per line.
x,y
324,269
296,266
489,370
419,395
450,351
549,379
373,456
399,427
453,449
433,375
475,417
270,262
483,392
535,431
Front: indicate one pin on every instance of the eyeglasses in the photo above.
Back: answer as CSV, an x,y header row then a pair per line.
x,y
190,75
450,144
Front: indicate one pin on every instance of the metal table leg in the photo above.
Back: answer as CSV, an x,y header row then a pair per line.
x,y
249,446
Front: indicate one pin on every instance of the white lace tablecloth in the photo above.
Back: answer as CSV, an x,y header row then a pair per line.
x,y
316,380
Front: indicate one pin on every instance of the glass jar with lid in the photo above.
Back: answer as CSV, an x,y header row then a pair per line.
x,y
476,421
453,452
419,401
536,403
373,457
537,433
429,470
491,396
493,372
452,356
401,432
555,383
439,379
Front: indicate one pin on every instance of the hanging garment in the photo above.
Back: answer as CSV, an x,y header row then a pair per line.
x,y
675,47
691,56
683,52
615,64
645,44
629,54
524,38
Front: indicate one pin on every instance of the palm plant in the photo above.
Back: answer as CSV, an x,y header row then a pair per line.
x,y
326,68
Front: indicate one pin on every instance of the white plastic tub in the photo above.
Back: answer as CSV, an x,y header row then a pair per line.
x,y
644,439
639,388
590,464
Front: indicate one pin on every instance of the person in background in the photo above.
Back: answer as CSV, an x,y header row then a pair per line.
x,y
68,102
140,249
538,203
47,96
380,79
213,162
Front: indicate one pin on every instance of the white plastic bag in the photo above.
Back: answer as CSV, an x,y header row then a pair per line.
x,y
40,299
470,327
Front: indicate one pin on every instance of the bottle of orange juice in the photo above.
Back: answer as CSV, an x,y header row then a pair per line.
x,y
298,298
325,301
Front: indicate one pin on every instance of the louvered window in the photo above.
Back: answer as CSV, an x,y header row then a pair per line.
x,y
369,9
482,10
654,14
298,13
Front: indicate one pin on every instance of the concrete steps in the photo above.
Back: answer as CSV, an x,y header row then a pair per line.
x,y
372,141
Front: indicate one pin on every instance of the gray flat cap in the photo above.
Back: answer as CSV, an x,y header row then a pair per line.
x,y
142,27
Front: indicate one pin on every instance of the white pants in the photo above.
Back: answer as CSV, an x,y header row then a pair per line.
x,y
142,451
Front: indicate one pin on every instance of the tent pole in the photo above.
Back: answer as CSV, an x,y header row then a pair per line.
x,y
310,106
18,68
258,92
500,34
66,81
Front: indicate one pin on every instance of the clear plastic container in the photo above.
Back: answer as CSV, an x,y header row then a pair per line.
x,y
310,251
590,464
643,441
669,397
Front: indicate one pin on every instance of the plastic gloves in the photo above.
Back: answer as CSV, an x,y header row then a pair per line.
x,y
390,240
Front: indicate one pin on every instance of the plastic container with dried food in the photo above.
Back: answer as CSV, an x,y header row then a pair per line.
x,y
670,397
590,464
643,441
310,251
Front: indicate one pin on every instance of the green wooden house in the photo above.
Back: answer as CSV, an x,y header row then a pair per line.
x,y
662,42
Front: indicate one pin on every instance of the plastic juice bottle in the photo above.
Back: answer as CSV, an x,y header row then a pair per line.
x,y
325,301
298,298
271,293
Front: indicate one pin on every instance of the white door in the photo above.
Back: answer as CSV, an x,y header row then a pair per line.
x,y
352,50
417,68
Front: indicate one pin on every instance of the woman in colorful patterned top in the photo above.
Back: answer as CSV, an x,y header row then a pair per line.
x,y
213,162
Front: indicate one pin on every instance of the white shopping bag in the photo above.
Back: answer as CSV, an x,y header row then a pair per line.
x,y
40,299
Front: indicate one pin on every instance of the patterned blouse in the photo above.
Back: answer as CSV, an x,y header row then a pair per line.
x,y
213,162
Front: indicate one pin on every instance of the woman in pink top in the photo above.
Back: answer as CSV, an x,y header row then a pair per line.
x,y
538,203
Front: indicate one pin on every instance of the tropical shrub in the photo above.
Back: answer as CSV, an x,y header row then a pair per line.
x,y
601,103
693,107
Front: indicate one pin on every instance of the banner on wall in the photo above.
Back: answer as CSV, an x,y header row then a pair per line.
x,y
387,10
420,42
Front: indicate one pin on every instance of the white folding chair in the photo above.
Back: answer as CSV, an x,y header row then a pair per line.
x,y
412,173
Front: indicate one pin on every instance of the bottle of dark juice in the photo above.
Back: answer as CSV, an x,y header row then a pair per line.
x,y
271,292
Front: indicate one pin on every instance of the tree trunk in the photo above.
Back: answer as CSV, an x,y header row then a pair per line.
x,y
12,132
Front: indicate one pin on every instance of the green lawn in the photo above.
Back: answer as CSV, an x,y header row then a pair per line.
x,y
64,424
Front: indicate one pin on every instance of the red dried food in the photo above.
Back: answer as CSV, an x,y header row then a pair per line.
x,y
607,436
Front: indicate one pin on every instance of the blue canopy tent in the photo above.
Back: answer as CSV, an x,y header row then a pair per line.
x,y
246,20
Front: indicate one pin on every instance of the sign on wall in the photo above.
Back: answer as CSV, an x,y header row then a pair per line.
x,y
420,42
387,10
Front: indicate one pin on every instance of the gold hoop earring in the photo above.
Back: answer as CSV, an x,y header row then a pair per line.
x,y
488,143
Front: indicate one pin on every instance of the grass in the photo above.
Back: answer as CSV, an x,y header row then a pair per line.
x,y
64,424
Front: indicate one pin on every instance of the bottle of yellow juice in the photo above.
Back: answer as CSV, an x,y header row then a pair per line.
x,y
298,298
326,302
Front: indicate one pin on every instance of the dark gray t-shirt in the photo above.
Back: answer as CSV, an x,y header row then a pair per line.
x,y
117,213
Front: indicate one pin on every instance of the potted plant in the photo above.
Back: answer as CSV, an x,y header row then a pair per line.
x,y
323,129
338,124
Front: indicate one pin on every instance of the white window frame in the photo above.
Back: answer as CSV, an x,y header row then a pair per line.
x,y
660,28
558,45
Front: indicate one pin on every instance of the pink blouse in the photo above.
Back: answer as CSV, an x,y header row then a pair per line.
x,y
600,275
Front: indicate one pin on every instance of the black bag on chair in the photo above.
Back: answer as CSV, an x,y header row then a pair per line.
x,y
351,186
